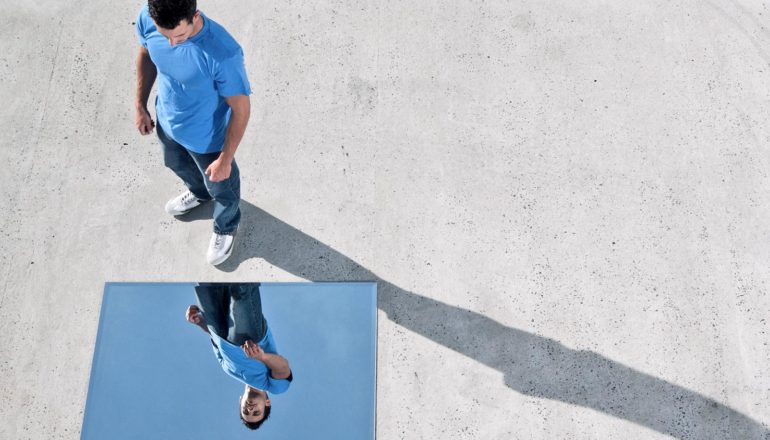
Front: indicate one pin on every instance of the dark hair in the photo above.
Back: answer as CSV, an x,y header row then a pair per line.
x,y
169,13
255,425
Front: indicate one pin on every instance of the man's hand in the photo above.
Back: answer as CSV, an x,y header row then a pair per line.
x,y
144,122
195,316
219,170
253,350
278,366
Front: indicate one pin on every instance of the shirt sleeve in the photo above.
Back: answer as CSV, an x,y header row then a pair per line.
x,y
268,343
258,376
140,28
230,76
278,386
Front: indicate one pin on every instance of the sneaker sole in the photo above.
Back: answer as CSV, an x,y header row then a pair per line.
x,y
224,257
178,213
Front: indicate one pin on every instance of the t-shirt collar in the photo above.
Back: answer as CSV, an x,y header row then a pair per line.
x,y
203,30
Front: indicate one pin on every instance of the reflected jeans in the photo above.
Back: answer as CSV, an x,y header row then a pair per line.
x,y
233,310
190,166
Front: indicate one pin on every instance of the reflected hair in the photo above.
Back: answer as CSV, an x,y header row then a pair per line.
x,y
169,13
255,425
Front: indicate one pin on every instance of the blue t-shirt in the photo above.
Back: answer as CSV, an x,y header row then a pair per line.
x,y
244,369
194,78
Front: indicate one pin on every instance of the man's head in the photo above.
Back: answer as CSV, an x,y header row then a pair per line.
x,y
254,407
177,20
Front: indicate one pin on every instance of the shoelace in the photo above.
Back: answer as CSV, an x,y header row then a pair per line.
x,y
187,198
219,241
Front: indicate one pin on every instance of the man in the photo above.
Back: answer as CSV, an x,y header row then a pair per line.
x,y
202,108
232,316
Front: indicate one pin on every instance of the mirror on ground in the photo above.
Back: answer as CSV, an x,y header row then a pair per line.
x,y
234,360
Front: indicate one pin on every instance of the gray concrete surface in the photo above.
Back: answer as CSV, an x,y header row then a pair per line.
x,y
565,205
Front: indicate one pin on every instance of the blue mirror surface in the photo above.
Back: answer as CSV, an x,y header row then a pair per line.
x,y
155,376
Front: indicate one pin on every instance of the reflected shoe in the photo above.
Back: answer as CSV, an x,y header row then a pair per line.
x,y
220,248
182,204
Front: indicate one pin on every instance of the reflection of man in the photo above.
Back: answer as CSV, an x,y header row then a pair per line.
x,y
202,109
232,315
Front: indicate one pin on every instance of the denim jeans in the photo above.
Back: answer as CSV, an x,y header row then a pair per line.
x,y
233,310
190,166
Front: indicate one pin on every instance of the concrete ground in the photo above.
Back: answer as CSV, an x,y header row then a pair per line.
x,y
565,204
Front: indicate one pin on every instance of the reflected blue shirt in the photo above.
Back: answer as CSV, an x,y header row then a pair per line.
x,y
194,78
244,369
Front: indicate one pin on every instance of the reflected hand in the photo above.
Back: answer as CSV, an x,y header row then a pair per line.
x,y
253,350
219,170
194,316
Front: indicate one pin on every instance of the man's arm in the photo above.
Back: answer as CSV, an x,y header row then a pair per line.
x,y
219,170
277,364
146,72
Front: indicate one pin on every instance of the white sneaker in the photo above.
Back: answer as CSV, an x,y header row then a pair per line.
x,y
182,204
220,248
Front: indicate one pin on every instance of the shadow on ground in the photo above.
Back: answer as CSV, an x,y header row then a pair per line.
x,y
531,364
